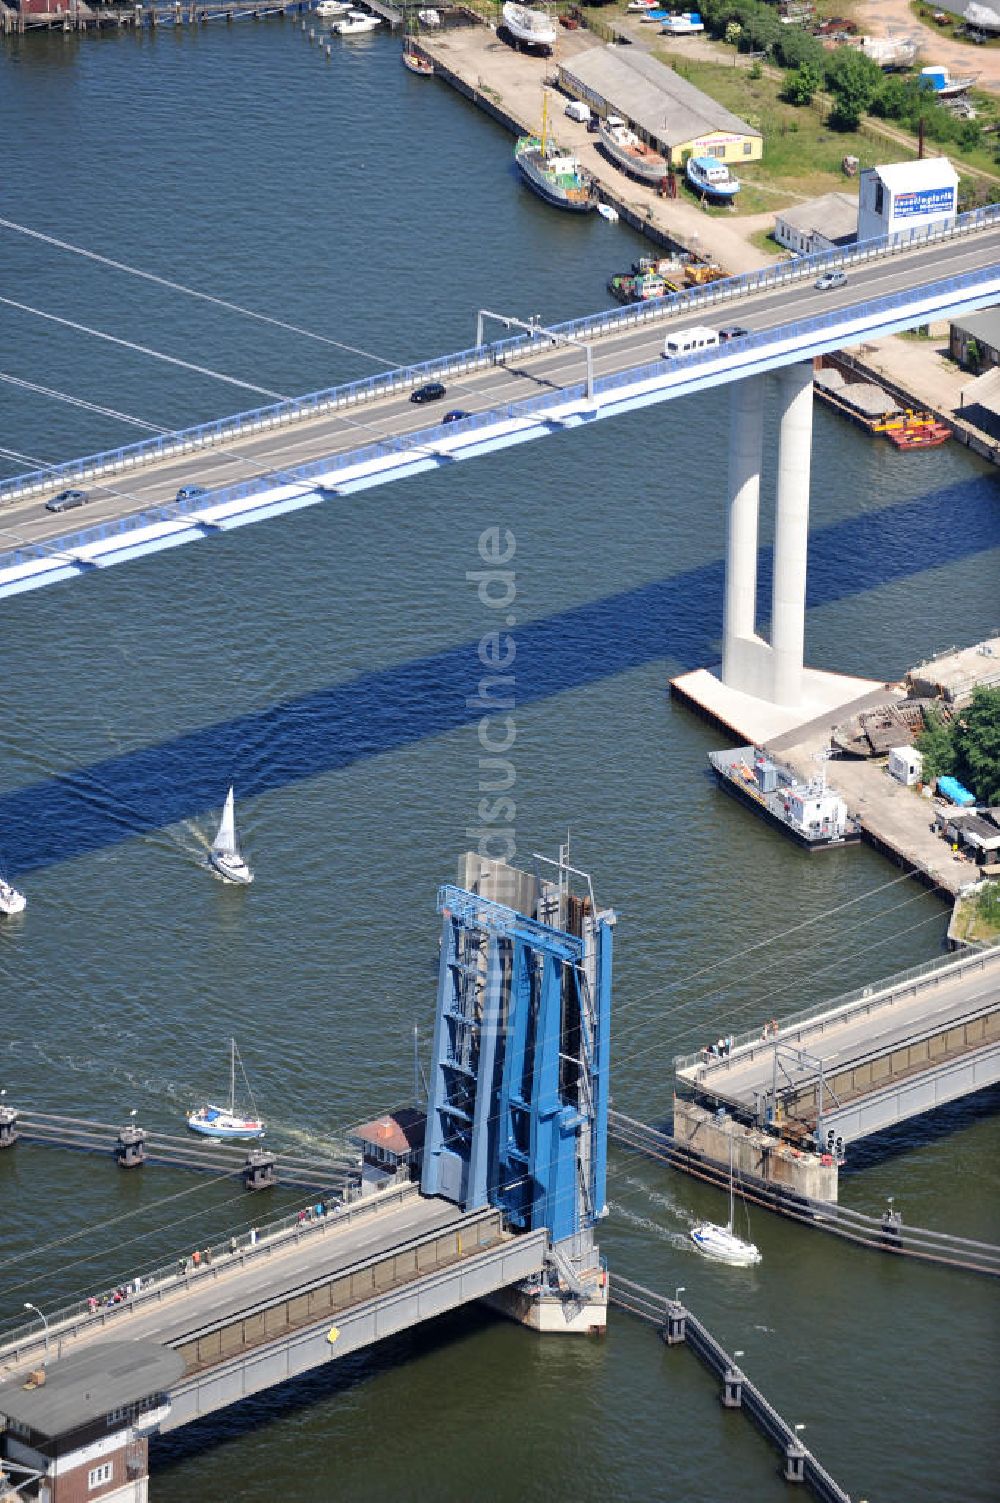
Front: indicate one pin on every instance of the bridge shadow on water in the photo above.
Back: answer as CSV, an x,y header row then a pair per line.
x,y
322,1384
676,619
918,1132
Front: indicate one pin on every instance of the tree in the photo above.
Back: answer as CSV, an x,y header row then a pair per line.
x,y
853,80
935,746
802,84
733,33
976,738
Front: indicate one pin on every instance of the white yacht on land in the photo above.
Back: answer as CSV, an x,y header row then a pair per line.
x,y
226,1121
530,28
721,1242
355,23
11,901
224,855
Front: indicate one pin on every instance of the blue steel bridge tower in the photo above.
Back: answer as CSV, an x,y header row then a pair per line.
x,y
518,1094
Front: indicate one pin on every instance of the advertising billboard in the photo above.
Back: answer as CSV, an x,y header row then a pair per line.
x,y
924,201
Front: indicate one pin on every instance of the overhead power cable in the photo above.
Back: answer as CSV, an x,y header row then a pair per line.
x,y
207,297
143,349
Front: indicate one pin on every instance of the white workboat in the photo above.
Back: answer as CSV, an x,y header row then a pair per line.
x,y
225,1121
11,901
721,1242
224,856
530,28
328,8
629,152
356,23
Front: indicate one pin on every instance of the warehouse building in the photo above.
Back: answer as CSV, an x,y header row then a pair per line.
x,y
903,198
975,339
663,108
822,224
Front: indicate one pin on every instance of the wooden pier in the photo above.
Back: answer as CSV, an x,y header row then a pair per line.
x,y
78,15
131,1147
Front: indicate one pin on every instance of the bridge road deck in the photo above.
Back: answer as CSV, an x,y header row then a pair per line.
x,y
25,520
231,1287
911,1027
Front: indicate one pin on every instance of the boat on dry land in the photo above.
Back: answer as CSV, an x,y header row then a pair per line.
x,y
629,152
529,28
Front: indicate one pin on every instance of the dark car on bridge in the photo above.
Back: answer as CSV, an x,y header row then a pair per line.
x,y
66,500
189,492
732,331
432,392
455,415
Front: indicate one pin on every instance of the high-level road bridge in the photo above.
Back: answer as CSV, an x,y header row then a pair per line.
x,y
302,451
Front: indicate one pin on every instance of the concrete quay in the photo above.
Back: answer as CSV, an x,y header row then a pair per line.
x,y
508,85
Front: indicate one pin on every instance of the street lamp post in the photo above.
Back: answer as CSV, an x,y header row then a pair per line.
x,y
678,1292
29,1306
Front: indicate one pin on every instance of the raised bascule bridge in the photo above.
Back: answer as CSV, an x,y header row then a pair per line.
x,y
494,1192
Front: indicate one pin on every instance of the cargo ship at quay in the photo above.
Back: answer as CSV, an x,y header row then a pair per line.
x,y
813,815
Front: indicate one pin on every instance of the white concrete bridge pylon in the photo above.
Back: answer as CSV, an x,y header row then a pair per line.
x,y
771,671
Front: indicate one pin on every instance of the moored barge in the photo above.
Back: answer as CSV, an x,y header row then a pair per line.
x,y
814,815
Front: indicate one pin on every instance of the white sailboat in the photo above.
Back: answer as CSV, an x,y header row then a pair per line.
x,y
225,1121
721,1242
224,855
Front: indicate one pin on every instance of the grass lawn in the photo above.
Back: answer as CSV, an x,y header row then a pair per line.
x,y
765,241
802,155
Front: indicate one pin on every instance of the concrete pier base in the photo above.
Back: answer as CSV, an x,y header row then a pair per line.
x,y
754,1152
554,1312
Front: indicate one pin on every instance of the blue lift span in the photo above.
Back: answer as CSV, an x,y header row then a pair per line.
x,y
518,1102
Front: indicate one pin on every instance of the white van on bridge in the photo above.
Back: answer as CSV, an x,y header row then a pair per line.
x,y
686,341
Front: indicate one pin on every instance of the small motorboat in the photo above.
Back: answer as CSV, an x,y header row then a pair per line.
x,y
418,64
225,1121
224,855
332,8
710,176
355,23
11,901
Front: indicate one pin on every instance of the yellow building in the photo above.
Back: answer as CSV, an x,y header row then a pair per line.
x,y
663,108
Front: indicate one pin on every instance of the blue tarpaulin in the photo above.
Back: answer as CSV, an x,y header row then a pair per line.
x,y
952,788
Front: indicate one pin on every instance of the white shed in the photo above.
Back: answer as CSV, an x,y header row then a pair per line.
x,y
906,765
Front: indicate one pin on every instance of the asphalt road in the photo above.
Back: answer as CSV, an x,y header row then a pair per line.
x,y
193,1301
842,1044
553,367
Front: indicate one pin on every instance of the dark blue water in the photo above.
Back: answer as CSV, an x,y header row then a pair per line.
x,y
322,662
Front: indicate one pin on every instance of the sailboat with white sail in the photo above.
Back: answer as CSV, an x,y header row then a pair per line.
x,y
721,1242
225,1121
224,855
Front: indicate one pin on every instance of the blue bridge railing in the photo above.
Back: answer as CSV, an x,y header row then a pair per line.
x,y
404,378
420,448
